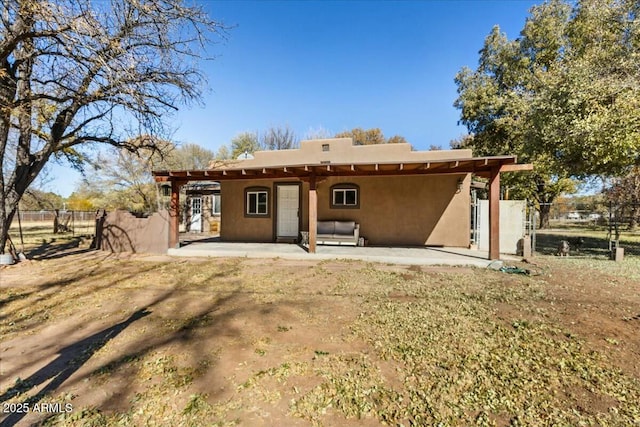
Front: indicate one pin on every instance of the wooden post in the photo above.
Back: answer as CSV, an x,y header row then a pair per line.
x,y
494,214
313,214
174,216
101,216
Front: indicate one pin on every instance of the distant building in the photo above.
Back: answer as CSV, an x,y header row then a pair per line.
x,y
202,207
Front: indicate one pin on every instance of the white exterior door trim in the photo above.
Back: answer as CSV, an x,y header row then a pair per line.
x,y
288,200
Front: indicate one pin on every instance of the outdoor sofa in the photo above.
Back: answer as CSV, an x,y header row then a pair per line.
x,y
338,233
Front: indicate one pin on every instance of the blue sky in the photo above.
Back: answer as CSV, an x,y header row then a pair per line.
x,y
337,65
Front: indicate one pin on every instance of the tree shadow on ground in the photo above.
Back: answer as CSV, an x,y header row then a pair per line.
x,y
184,315
70,359
52,288
55,250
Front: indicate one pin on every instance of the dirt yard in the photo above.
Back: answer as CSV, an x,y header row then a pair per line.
x,y
95,339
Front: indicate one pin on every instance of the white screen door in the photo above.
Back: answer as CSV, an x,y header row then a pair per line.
x,y
196,214
288,203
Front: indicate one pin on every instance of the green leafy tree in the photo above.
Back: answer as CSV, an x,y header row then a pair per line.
x,y
563,96
76,73
463,141
624,194
83,200
369,137
187,156
397,139
364,137
592,101
245,142
223,153
35,199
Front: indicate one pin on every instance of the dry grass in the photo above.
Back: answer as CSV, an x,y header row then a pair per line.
x,y
596,240
275,342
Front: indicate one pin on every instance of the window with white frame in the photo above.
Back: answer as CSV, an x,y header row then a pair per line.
x,y
215,204
345,196
257,202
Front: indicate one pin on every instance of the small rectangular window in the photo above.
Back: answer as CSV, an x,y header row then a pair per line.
x,y
345,197
215,204
257,203
325,147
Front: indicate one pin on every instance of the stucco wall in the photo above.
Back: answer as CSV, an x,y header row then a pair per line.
x,y
123,232
408,210
234,225
512,225
402,210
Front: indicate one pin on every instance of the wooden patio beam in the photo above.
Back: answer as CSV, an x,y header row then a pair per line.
x,y
479,166
516,168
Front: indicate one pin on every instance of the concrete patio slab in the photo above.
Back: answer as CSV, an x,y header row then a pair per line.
x,y
391,255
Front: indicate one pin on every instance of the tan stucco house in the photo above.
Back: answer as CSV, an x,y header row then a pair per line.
x,y
398,196
391,210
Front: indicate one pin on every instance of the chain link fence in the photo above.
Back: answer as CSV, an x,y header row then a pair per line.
x,y
75,223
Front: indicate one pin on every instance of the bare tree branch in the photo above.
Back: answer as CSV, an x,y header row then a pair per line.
x,y
70,68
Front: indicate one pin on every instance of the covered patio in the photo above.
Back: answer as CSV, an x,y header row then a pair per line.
x,y
314,173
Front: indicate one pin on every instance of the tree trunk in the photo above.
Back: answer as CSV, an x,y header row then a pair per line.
x,y
545,212
4,225
8,211
56,221
7,94
14,189
633,216
15,82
